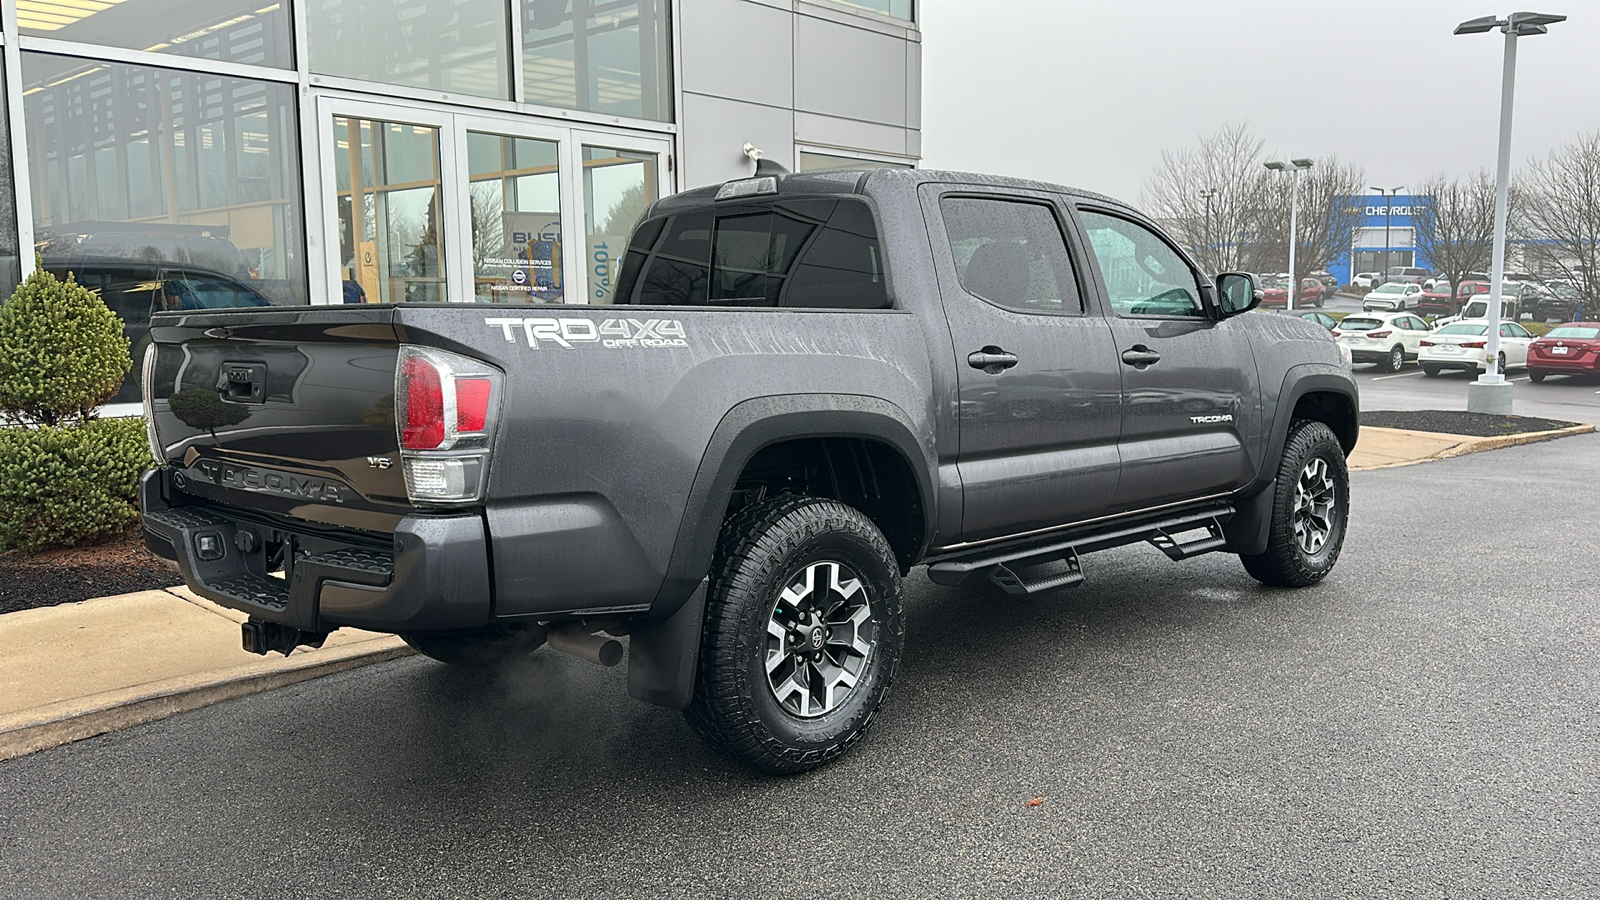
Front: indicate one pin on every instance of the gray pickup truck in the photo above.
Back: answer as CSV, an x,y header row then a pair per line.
x,y
808,385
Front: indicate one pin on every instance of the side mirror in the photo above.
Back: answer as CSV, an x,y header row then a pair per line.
x,y
1237,292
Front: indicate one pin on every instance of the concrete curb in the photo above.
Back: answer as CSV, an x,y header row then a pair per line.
x,y
74,720
1465,444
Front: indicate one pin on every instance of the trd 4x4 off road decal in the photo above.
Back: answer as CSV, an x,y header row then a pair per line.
x,y
626,334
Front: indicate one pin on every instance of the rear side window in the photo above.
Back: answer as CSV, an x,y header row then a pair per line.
x,y
1011,253
807,254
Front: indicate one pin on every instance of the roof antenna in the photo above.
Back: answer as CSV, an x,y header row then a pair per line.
x,y
763,166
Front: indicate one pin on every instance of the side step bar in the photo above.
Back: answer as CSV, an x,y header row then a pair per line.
x,y
1007,567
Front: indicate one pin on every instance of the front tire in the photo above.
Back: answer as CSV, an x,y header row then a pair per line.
x,y
489,647
803,634
1310,509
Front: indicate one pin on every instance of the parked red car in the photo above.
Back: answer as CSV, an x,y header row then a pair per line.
x,y
1570,349
1435,301
1312,293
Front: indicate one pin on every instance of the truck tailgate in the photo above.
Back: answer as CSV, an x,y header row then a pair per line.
x,y
288,411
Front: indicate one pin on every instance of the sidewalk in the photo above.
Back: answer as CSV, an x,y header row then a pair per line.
x,y
81,669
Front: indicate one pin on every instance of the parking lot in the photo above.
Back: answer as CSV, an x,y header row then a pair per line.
x,y
1421,723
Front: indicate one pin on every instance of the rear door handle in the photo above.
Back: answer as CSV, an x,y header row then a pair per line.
x,y
1140,356
992,360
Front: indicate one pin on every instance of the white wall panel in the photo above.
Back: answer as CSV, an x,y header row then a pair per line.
x,y
849,72
739,50
714,130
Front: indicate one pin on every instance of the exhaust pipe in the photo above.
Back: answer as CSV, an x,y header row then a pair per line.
x,y
574,641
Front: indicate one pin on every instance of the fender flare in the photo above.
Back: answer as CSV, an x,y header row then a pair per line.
x,y
1247,530
761,422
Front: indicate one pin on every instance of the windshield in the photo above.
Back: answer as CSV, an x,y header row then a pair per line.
x,y
1463,329
1354,323
1575,331
1391,288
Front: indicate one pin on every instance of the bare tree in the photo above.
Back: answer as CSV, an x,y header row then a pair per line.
x,y
1561,214
1206,195
1329,193
1454,229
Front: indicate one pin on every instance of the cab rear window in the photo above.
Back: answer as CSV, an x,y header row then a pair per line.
x,y
813,253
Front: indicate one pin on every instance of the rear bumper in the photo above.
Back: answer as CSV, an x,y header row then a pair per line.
x,y
1587,364
432,573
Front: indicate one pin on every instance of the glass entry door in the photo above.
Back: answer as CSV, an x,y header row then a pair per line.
x,y
426,206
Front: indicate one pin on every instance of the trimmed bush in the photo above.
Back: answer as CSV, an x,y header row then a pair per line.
x,y
64,353
70,485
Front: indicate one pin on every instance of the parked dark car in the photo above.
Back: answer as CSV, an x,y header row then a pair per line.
x,y
1560,305
1330,283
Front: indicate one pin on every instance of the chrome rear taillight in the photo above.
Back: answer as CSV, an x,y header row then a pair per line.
x,y
446,410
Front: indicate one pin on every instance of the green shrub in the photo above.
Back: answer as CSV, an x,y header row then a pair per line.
x,y
64,352
70,485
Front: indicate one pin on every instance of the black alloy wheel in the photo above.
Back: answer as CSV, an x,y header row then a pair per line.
x,y
803,634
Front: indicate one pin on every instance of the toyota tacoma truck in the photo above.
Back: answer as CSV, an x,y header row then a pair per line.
x,y
808,385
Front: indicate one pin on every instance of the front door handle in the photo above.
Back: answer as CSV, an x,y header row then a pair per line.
x,y
992,360
1140,356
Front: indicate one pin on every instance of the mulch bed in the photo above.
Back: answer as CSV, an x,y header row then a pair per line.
x,y
32,580
1455,422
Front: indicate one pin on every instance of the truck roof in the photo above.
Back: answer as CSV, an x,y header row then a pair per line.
x,y
856,181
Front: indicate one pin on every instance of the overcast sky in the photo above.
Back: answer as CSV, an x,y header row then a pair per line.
x,y
1089,93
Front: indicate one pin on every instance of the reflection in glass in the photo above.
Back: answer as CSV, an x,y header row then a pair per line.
x,y
459,46
898,9
164,189
10,266
391,237
617,186
605,56
811,161
241,31
515,193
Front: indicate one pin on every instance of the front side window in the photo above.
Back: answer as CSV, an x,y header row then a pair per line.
x,y
1144,276
809,254
1011,253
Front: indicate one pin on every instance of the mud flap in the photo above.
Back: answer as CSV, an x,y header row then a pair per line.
x,y
663,656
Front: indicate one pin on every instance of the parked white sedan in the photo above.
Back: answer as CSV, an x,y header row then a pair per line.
x,y
1365,280
1395,296
1388,339
1465,345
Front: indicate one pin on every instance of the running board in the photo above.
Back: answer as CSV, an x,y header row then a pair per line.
x,y
1007,567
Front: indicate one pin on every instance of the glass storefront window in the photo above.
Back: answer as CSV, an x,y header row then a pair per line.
x,y
811,161
391,229
241,31
459,46
897,9
617,186
515,191
164,189
10,264
604,56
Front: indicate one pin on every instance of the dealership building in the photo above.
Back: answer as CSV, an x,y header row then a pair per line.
x,y
1385,232
205,153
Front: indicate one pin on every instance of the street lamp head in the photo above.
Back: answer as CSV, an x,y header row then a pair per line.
x,y
1302,163
1479,25
1276,165
1520,20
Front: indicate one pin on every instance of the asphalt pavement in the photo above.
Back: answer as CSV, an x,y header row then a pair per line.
x,y
1422,723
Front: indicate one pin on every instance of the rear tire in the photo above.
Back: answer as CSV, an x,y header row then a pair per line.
x,y
488,647
1430,371
1397,358
1535,376
1310,509
803,634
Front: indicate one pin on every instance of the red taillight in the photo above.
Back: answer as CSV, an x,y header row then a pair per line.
x,y
1379,334
1427,343
1338,333
424,424
472,404
1475,345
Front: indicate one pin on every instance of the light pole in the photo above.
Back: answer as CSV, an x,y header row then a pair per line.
x,y
1388,203
1294,167
1209,193
1491,393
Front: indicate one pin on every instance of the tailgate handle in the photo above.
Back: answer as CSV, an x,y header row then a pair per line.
x,y
243,382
